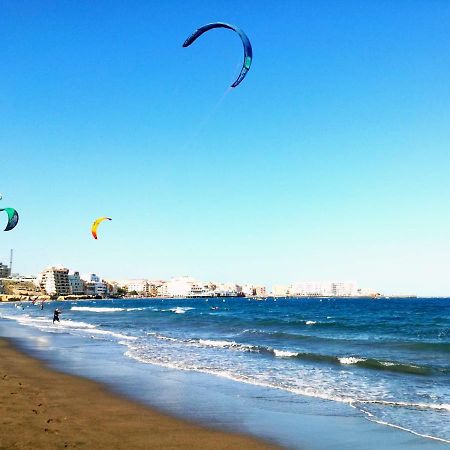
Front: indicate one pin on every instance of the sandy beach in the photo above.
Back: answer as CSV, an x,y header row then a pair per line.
x,y
42,409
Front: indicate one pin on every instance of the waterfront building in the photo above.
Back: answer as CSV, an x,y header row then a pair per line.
x,y
252,290
154,287
5,271
178,287
112,287
344,289
280,290
96,287
324,289
260,291
227,290
76,284
247,290
54,281
199,289
185,287
367,292
310,289
161,290
94,278
141,287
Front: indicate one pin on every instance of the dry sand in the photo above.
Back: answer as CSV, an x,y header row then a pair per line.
x,y
45,409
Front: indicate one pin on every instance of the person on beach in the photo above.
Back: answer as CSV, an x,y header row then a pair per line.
x,y
42,306
56,314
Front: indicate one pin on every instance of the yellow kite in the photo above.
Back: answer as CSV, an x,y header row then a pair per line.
x,y
96,224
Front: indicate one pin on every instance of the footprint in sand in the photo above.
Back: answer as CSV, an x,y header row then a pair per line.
x,y
35,411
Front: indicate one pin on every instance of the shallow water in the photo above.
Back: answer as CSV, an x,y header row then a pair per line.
x,y
389,360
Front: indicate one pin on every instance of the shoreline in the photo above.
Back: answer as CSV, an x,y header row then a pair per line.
x,y
44,408
208,400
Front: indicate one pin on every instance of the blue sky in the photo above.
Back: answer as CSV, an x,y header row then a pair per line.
x,y
329,161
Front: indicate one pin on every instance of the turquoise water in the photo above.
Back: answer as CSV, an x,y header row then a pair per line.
x,y
387,359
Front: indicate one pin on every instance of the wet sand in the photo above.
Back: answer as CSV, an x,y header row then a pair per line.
x,y
42,409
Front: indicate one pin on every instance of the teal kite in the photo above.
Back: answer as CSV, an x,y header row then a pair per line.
x,y
13,218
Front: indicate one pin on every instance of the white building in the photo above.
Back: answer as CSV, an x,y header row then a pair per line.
x,y
280,290
139,286
76,284
153,287
367,292
178,287
96,287
143,287
54,281
324,289
227,290
310,289
344,289
254,290
185,287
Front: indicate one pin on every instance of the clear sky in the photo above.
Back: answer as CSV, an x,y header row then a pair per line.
x,y
331,160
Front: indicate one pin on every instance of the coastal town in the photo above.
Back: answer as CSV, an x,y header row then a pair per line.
x,y
60,283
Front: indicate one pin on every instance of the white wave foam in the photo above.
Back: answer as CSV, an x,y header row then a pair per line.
x,y
132,352
26,319
96,309
226,344
104,310
284,354
41,321
220,344
432,406
350,360
115,335
308,391
372,418
75,324
166,338
45,324
180,309
211,343
310,322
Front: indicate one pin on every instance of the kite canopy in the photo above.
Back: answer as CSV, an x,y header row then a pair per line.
x,y
13,218
248,52
95,225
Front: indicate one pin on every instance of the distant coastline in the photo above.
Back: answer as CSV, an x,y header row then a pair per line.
x,y
44,298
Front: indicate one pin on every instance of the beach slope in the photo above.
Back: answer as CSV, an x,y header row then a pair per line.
x,y
42,409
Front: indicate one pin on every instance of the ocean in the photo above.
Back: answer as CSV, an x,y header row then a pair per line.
x,y
385,360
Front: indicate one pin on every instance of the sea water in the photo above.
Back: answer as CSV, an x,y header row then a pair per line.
x,y
388,359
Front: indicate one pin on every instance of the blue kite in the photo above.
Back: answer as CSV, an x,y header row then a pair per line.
x,y
248,52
